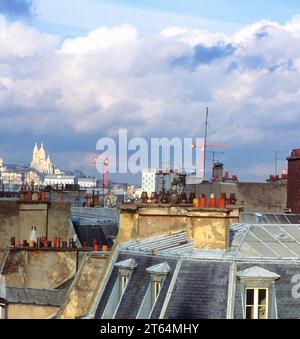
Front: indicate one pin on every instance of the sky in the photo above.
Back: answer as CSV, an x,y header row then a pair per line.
x,y
72,72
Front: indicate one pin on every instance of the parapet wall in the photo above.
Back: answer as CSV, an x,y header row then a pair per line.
x,y
256,197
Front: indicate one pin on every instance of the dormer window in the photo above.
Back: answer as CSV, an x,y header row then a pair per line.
x,y
257,303
258,293
158,275
125,268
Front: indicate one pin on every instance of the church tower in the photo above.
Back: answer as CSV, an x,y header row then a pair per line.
x,y
35,156
40,162
42,153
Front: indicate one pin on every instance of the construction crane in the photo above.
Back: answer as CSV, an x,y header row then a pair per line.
x,y
105,163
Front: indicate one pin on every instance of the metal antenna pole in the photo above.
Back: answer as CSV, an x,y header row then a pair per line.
x,y
276,162
205,142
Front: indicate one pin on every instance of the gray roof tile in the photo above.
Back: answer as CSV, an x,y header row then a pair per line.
x,y
200,291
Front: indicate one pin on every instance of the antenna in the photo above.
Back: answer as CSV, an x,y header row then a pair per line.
x,y
277,159
205,142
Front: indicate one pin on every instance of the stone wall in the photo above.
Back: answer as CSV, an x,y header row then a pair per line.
x,y
40,269
256,197
9,223
83,288
269,197
19,311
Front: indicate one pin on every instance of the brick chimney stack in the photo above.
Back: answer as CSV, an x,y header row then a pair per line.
x,y
293,190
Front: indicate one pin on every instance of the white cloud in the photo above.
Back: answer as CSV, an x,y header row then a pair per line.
x,y
101,39
156,85
195,37
20,40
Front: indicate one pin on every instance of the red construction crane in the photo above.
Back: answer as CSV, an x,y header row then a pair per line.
x,y
105,170
105,174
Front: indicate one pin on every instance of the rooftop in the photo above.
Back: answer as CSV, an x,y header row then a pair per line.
x,y
30,296
263,237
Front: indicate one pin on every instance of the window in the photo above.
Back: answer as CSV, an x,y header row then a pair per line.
x,y
2,311
123,283
258,293
256,303
156,286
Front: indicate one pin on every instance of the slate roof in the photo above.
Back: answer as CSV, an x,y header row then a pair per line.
x,y
200,291
30,296
136,288
103,233
201,286
288,307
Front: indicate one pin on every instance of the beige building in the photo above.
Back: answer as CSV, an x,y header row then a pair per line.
x,y
40,162
32,177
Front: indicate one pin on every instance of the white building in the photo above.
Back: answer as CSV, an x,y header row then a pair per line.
x,y
157,180
11,178
149,181
87,182
137,193
60,180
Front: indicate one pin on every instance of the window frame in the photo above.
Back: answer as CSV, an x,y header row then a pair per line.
x,y
257,277
158,275
125,270
256,304
124,279
3,310
156,286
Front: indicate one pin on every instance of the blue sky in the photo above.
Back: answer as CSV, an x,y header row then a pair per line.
x,y
74,71
70,18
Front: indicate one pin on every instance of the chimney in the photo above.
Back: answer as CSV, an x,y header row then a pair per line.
x,y
33,234
293,189
218,169
207,228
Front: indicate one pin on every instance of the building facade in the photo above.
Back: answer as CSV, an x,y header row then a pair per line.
x,y
60,180
40,162
158,180
11,178
32,177
149,181
87,182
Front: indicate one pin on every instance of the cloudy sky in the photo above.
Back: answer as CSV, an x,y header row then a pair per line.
x,y
74,71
